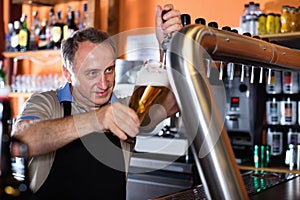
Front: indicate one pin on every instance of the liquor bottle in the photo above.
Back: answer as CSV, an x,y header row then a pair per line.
x,y
34,32
71,23
2,73
77,18
36,26
43,36
70,26
24,35
65,31
15,37
49,28
84,21
8,37
10,187
57,31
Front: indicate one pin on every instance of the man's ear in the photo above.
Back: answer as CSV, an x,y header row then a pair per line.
x,y
66,74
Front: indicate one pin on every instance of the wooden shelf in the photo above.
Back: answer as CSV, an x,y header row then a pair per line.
x,y
41,57
24,95
282,36
37,53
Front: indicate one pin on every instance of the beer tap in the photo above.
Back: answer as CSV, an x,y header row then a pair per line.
x,y
221,70
252,74
261,75
208,65
242,72
230,67
166,40
165,44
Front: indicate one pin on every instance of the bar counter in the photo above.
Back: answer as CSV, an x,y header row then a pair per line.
x,y
260,186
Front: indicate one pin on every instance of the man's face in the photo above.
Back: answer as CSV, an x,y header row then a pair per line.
x,y
93,76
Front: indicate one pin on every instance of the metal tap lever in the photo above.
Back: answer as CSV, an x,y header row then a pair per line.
x,y
166,40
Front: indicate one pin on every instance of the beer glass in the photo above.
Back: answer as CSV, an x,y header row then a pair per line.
x,y
151,87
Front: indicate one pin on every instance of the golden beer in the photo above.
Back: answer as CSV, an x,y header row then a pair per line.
x,y
145,96
152,86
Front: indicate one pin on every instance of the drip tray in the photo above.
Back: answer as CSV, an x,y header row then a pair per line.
x,y
254,184
177,146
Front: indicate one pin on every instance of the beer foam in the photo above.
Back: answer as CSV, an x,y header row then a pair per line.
x,y
153,77
123,90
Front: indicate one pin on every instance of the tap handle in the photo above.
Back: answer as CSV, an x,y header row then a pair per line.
x,y
162,15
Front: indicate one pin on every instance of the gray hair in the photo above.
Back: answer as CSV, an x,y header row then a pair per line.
x,y
70,46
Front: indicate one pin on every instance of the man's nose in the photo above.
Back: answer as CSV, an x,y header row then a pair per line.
x,y
103,82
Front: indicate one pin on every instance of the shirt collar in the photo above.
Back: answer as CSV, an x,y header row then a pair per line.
x,y
64,94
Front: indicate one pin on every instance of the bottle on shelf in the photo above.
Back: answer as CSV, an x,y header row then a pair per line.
x,y
257,11
270,23
84,18
277,23
77,18
8,36
293,17
285,19
15,37
44,38
24,34
70,26
243,22
49,28
57,31
34,31
249,18
2,73
261,25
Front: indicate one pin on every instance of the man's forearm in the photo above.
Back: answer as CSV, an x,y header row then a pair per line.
x,y
48,135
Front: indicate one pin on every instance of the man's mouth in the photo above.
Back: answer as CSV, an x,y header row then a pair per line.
x,y
102,93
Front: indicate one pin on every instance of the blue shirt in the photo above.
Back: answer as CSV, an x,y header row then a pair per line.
x,y
64,94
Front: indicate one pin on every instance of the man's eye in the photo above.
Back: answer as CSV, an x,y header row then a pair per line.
x,y
92,73
109,69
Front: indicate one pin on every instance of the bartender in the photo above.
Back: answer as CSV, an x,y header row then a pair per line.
x,y
77,134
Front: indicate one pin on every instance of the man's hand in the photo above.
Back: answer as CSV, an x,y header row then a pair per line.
x,y
172,21
119,119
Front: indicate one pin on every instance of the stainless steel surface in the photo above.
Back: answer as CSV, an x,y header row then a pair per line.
x,y
153,163
258,187
219,172
153,175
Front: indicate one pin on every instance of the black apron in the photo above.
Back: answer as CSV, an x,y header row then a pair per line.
x,y
76,174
